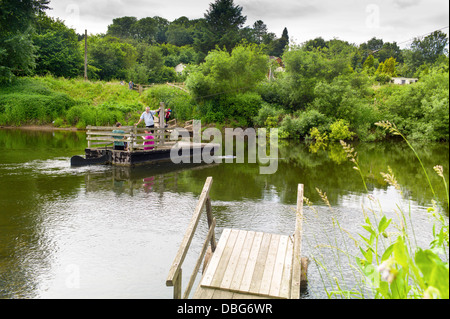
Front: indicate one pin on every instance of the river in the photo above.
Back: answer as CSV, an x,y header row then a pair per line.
x,y
109,232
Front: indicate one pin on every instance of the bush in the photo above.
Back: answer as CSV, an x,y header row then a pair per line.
x,y
179,101
340,131
27,101
267,111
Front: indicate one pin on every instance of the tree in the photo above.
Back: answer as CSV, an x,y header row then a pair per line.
x,y
146,29
58,51
369,65
317,43
389,67
17,52
259,30
222,71
224,19
390,50
280,44
180,32
110,56
430,48
303,70
123,27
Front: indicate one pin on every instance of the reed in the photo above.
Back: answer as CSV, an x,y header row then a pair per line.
x,y
384,258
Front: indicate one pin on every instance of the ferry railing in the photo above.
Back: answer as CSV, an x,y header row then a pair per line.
x,y
103,136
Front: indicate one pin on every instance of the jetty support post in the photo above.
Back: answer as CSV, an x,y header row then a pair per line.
x,y
296,262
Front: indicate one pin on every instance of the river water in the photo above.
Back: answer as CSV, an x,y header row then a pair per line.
x,y
109,232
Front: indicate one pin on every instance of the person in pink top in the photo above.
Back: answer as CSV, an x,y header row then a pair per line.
x,y
148,141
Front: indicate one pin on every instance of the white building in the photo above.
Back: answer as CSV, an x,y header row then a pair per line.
x,y
180,68
402,81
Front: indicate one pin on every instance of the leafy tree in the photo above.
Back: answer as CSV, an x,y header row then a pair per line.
x,y
303,70
17,52
280,44
388,67
180,34
317,43
222,72
58,51
162,25
389,50
110,56
123,27
369,65
146,29
427,50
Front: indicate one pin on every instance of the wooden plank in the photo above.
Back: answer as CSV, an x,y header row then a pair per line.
x,y
226,254
233,262
189,234
285,289
203,293
260,263
251,263
222,294
215,259
275,286
269,265
242,262
248,296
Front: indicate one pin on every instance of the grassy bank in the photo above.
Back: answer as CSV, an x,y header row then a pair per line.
x,y
76,103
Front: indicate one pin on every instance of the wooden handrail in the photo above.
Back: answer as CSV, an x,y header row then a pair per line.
x,y
174,277
131,135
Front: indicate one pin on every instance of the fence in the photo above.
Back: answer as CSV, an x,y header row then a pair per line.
x,y
103,136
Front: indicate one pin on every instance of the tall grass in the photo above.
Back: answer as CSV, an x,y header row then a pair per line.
x,y
384,260
63,102
75,102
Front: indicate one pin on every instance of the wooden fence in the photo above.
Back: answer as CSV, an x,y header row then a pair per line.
x,y
103,136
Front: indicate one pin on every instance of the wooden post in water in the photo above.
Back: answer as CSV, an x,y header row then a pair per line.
x,y
296,258
85,55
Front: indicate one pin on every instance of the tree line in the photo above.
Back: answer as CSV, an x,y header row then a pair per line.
x,y
146,50
332,86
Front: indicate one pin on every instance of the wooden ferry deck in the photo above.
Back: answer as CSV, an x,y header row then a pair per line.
x,y
244,264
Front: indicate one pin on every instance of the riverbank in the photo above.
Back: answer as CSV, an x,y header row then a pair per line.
x,y
39,128
419,110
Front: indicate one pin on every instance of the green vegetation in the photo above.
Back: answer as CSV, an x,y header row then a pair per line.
x,y
43,100
337,88
389,264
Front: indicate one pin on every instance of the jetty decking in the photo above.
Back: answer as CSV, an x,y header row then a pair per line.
x,y
244,264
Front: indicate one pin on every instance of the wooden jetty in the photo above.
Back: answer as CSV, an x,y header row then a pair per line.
x,y
101,144
244,264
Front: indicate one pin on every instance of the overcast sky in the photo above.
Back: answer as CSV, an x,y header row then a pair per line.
x,y
355,21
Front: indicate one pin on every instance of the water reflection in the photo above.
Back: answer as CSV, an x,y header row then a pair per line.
x,y
112,232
